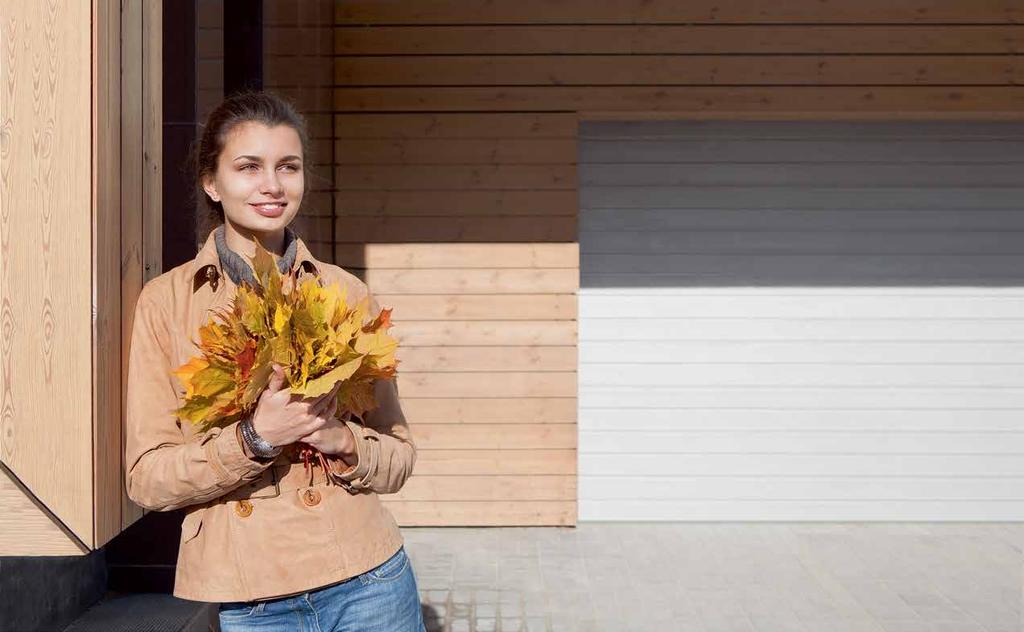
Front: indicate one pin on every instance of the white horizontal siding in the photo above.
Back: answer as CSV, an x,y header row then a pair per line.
x,y
786,321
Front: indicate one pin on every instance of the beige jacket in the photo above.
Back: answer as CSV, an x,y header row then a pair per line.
x,y
255,528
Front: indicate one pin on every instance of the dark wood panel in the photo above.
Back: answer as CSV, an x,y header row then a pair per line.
x,y
593,70
456,177
453,151
627,39
684,99
457,203
367,12
457,229
504,125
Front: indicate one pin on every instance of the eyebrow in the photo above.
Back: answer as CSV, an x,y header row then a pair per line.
x,y
259,159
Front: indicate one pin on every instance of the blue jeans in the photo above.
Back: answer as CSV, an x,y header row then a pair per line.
x,y
383,599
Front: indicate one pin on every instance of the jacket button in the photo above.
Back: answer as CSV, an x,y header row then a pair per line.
x,y
311,497
243,508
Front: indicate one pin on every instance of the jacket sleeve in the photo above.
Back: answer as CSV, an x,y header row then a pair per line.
x,y
163,471
385,450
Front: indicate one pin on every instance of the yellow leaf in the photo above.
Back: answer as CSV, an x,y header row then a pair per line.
x,y
320,385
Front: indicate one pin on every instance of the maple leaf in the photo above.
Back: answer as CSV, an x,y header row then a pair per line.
x,y
311,332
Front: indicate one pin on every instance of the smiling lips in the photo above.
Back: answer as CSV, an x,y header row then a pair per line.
x,y
270,209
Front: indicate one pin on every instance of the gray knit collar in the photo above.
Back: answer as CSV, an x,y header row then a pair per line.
x,y
239,270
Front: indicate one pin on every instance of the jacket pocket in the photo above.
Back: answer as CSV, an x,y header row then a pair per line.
x,y
192,523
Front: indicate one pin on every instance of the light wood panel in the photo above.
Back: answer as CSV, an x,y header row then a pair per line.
x,y
488,359
27,528
671,39
418,333
442,229
496,436
465,488
473,280
46,432
479,462
374,12
498,513
481,307
459,256
507,410
498,384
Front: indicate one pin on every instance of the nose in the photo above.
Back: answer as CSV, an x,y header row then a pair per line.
x,y
271,185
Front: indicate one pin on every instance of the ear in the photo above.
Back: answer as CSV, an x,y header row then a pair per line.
x,y
210,188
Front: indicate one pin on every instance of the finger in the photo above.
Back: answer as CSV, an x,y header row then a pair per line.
x,y
276,379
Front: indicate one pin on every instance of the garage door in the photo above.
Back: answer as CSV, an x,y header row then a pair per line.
x,y
801,321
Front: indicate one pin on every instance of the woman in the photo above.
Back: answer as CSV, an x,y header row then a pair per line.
x,y
281,547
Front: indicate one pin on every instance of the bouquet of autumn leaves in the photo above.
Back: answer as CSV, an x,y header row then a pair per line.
x,y
311,332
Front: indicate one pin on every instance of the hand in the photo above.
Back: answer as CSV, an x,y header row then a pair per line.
x,y
282,418
333,438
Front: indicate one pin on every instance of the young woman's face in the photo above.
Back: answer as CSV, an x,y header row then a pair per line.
x,y
260,177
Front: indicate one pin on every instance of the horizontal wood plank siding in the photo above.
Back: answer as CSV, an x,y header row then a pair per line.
x,y
455,149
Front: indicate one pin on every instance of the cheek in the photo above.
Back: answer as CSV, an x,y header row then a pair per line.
x,y
295,184
235,185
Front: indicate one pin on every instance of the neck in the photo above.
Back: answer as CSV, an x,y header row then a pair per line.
x,y
239,239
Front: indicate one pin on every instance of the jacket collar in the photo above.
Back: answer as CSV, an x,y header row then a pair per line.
x,y
207,267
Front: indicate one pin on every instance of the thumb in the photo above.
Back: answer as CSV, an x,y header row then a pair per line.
x,y
276,379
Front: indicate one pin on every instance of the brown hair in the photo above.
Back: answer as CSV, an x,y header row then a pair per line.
x,y
243,107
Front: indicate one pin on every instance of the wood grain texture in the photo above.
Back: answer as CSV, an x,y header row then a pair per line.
x,y
660,39
383,256
676,70
496,436
551,410
141,181
28,528
152,140
487,359
374,12
46,429
456,129
751,99
482,307
479,204
480,462
512,489
107,439
488,513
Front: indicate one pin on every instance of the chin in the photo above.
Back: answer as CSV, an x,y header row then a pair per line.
x,y
255,222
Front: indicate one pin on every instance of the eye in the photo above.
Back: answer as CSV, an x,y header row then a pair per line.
x,y
253,165
290,167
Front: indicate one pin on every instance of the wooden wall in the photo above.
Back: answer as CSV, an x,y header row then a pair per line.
x,y
46,190
456,160
141,180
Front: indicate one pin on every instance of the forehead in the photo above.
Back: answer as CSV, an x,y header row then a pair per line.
x,y
256,139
